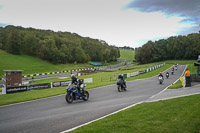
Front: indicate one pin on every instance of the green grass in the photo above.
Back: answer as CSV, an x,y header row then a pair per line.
x,y
30,95
31,65
127,54
177,85
180,115
107,78
50,80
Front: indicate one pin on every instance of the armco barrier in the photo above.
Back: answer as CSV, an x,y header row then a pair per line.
x,y
50,73
142,71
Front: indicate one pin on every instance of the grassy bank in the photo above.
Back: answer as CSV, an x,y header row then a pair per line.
x,y
127,54
180,115
31,65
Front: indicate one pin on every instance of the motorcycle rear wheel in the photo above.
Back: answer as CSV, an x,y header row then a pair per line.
x,y
69,98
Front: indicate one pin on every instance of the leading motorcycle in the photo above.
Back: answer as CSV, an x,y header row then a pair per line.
x,y
160,78
74,94
121,86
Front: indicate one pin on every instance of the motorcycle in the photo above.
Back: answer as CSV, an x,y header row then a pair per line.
x,y
167,75
160,79
74,94
172,72
120,85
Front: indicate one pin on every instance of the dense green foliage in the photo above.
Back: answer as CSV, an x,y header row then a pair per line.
x,y
173,48
55,47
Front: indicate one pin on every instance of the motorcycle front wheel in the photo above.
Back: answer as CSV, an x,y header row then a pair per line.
x,y
69,98
86,96
119,88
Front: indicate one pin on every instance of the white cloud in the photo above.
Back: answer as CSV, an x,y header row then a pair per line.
x,y
100,19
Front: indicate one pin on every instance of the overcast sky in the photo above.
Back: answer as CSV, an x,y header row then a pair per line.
x,y
118,22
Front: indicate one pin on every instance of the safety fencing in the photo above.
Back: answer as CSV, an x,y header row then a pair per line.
x,y
51,73
127,75
107,68
58,72
143,71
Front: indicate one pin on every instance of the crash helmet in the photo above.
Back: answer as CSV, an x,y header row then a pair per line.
x,y
73,76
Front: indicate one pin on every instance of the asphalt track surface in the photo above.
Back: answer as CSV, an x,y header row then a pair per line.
x,y
53,115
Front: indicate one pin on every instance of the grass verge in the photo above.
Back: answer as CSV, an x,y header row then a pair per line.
x,y
32,65
177,85
180,115
50,80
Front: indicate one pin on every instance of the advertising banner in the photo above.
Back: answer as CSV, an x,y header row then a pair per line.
x,y
39,86
65,83
16,89
56,84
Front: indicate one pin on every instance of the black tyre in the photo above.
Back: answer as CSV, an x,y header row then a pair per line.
x,y
125,87
119,88
69,98
86,96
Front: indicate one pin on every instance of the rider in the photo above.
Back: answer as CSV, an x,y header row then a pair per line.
x,y
77,82
160,75
172,70
122,78
167,74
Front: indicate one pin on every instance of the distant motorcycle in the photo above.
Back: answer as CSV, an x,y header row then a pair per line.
x,y
74,94
160,78
172,72
120,85
167,75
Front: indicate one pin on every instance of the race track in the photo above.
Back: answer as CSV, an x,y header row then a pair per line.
x,y
53,115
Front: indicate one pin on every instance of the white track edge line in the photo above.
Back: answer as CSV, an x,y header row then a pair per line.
x,y
148,101
102,117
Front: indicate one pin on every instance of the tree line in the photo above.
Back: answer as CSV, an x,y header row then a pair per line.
x,y
173,48
55,47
